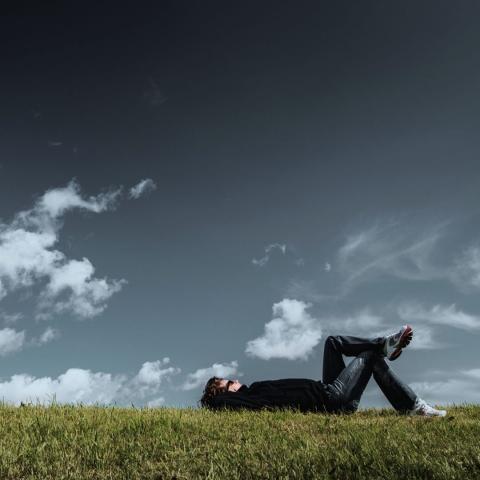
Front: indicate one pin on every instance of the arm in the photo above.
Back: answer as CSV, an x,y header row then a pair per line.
x,y
235,401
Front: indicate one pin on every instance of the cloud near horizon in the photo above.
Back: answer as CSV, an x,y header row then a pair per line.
x,y
78,385
462,386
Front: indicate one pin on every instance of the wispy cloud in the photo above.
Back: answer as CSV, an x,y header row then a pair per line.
x,y
457,387
28,256
364,322
80,385
261,262
390,249
292,334
367,323
199,377
49,335
281,248
142,188
466,270
439,314
307,291
10,318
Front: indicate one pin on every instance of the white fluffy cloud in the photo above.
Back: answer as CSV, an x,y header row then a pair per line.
x,y
28,256
87,387
143,187
151,375
200,376
291,334
11,341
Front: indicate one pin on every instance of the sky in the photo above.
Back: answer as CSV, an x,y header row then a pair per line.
x,y
192,189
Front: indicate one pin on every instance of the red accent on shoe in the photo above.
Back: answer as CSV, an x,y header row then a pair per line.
x,y
405,339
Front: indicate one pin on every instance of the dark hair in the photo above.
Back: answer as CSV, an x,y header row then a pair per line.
x,y
212,388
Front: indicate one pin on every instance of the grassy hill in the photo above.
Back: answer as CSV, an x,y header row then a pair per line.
x,y
76,442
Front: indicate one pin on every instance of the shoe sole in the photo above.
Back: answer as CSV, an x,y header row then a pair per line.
x,y
405,339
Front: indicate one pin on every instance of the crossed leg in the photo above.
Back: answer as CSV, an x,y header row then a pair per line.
x,y
346,384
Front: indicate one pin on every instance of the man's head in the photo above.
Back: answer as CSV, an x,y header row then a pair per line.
x,y
216,385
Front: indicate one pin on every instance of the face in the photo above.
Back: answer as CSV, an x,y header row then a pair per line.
x,y
230,385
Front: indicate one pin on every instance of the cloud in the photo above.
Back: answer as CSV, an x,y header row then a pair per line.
x,y
466,271
268,249
75,385
390,249
86,295
399,251
10,318
327,267
291,334
424,339
28,256
54,143
306,290
439,314
152,373
461,387
11,341
364,321
142,188
200,376
150,377
78,385
47,336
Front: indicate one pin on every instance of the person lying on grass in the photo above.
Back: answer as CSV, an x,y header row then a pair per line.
x,y
341,388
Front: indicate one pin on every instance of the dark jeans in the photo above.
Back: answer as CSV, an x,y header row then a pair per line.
x,y
345,384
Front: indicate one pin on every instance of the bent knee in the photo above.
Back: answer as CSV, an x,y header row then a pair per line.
x,y
332,339
369,354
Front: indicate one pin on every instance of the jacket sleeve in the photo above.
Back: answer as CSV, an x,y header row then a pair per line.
x,y
234,401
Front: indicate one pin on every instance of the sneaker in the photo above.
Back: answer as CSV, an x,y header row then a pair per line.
x,y
423,409
395,342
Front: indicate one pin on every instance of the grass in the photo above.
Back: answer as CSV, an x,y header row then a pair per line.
x,y
78,442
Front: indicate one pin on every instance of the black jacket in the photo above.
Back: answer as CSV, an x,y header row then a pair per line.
x,y
299,393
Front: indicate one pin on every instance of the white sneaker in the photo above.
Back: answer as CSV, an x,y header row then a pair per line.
x,y
423,409
395,342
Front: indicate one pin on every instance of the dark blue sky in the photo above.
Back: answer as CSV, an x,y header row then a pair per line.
x,y
346,132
